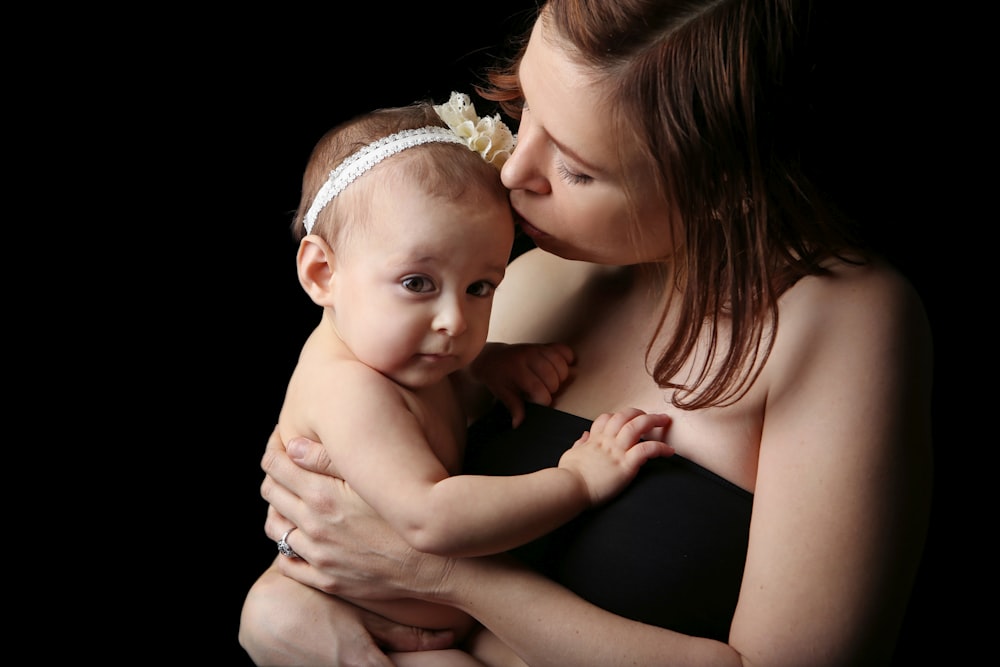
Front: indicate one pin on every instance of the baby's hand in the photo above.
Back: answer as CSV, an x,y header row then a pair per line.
x,y
609,455
532,371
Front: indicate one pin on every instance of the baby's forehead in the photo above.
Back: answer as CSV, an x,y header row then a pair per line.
x,y
444,261
411,208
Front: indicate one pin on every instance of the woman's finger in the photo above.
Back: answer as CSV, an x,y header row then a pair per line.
x,y
276,524
311,456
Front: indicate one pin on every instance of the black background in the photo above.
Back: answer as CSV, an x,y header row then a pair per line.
x,y
225,112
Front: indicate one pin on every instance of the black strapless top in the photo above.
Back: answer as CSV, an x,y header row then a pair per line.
x,y
669,551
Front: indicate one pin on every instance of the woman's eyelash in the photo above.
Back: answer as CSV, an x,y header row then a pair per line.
x,y
570,176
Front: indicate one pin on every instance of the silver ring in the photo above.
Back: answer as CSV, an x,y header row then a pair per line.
x,y
283,545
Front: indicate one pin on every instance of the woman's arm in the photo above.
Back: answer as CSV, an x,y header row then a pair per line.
x,y
840,510
349,550
842,497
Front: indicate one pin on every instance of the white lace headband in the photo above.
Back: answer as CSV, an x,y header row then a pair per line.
x,y
487,136
369,156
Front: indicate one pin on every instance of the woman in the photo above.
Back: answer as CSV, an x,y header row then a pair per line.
x,y
696,268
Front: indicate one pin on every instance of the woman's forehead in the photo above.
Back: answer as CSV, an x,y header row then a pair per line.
x,y
570,101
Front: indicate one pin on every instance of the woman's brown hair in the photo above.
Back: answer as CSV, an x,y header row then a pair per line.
x,y
716,91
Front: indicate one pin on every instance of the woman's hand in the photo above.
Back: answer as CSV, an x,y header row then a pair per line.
x,y
345,548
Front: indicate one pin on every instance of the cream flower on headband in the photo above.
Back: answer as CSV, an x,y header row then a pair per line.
x,y
488,136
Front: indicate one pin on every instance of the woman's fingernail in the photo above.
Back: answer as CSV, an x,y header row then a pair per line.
x,y
296,448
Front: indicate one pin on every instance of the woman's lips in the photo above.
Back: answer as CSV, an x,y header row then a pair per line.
x,y
527,227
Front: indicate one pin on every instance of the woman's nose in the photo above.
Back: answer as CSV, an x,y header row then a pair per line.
x,y
524,169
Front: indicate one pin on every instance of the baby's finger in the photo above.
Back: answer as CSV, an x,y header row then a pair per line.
x,y
656,433
547,376
536,391
651,426
560,353
563,360
601,422
551,365
645,450
514,404
621,423
550,368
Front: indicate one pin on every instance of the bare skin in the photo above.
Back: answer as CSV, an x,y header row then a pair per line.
x,y
847,452
833,439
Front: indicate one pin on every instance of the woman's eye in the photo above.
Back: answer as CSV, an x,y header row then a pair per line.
x,y
482,288
572,177
418,284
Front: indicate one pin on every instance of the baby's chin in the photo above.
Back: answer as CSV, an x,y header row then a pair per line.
x,y
426,370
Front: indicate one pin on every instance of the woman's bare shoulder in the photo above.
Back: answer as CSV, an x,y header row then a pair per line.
x,y
874,291
857,314
537,285
536,263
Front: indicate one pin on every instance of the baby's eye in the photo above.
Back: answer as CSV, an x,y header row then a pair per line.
x,y
482,288
418,283
572,177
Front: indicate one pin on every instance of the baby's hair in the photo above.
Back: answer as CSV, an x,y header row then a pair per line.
x,y
442,169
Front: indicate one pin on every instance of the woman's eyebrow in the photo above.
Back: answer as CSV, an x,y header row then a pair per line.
x,y
588,166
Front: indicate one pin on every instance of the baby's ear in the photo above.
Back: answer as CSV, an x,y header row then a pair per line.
x,y
315,262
